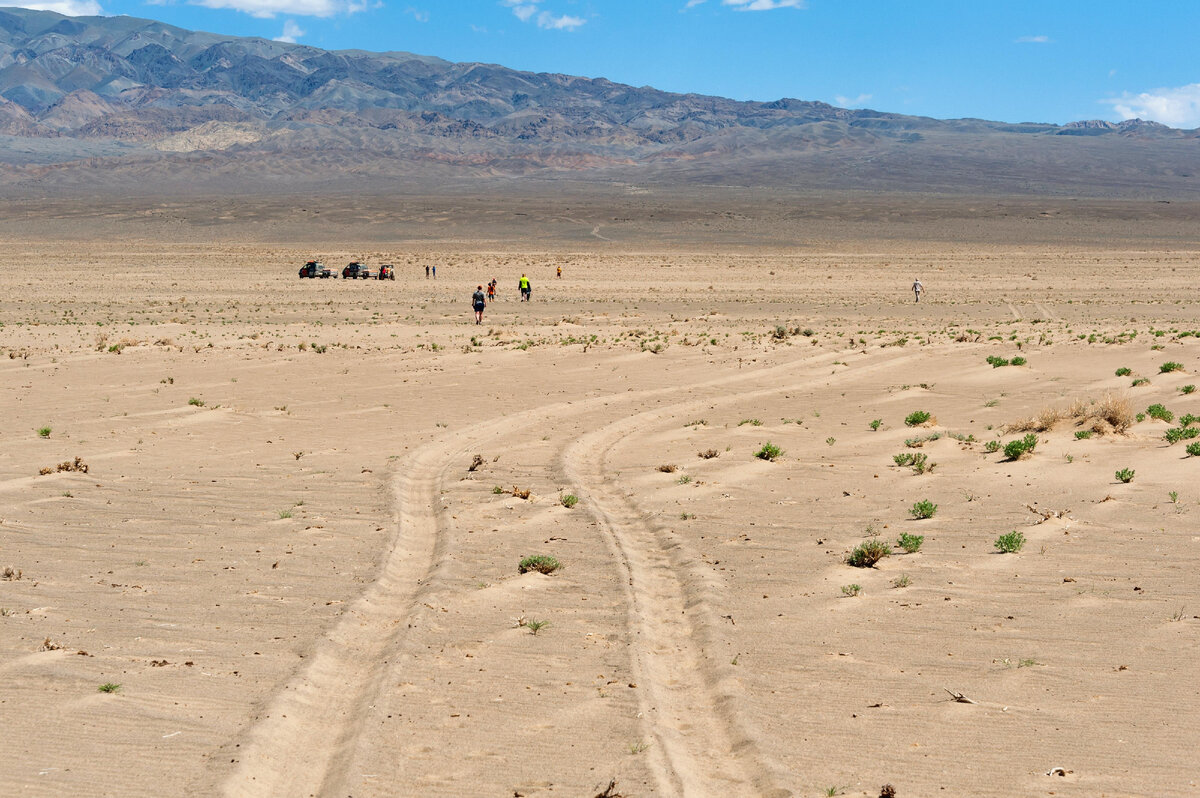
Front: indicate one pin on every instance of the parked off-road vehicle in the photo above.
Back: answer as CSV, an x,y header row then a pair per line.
x,y
387,272
354,270
314,268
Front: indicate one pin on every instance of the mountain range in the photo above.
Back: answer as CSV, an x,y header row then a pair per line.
x,y
123,102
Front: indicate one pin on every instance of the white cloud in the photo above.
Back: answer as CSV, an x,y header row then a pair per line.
x,y
852,102
764,5
417,14
71,8
291,32
301,8
693,4
550,22
1033,40
529,10
1177,107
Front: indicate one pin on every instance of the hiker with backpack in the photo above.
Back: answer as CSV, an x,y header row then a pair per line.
x,y
478,301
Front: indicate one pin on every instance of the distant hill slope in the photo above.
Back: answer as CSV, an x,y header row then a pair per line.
x,y
120,101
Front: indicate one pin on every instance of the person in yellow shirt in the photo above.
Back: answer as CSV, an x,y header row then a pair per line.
x,y
523,284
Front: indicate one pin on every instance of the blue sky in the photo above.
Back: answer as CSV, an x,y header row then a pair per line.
x,y
1010,60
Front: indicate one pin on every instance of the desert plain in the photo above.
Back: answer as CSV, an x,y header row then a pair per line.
x,y
292,559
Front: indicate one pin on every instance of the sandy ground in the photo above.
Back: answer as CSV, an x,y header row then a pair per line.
x,y
282,558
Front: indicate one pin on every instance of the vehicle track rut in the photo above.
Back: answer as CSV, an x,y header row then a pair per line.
x,y
702,745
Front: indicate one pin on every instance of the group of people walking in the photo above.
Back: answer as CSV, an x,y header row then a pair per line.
x,y
483,295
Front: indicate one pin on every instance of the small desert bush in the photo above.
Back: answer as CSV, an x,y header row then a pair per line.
x,y
867,553
1021,447
910,543
1010,542
876,424
923,509
917,418
542,563
708,454
44,432
1177,434
769,451
851,590
1083,434
1193,449
194,402
1140,381
1160,412
1019,361
991,446
996,362
921,464
109,687
568,500
1169,366
903,459
1124,372
1187,388
1125,475
667,468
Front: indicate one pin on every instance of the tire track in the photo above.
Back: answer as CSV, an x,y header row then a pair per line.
x,y
702,748
702,745
288,751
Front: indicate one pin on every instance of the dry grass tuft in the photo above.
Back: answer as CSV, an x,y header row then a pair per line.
x,y
1044,421
1106,415
1111,413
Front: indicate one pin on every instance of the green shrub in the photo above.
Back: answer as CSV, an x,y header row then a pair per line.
x,y
1083,434
1125,475
109,687
1177,434
991,446
910,543
1140,381
876,424
996,362
1016,449
851,590
923,509
1124,372
44,432
1010,543
1193,449
1187,420
568,500
916,418
903,459
921,464
1187,388
1160,412
194,402
1019,361
769,451
542,563
1170,366
867,553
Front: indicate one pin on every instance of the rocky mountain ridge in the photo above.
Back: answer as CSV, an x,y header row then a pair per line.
x,y
108,92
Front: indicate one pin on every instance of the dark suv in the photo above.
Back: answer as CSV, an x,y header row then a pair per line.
x,y
314,268
355,270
